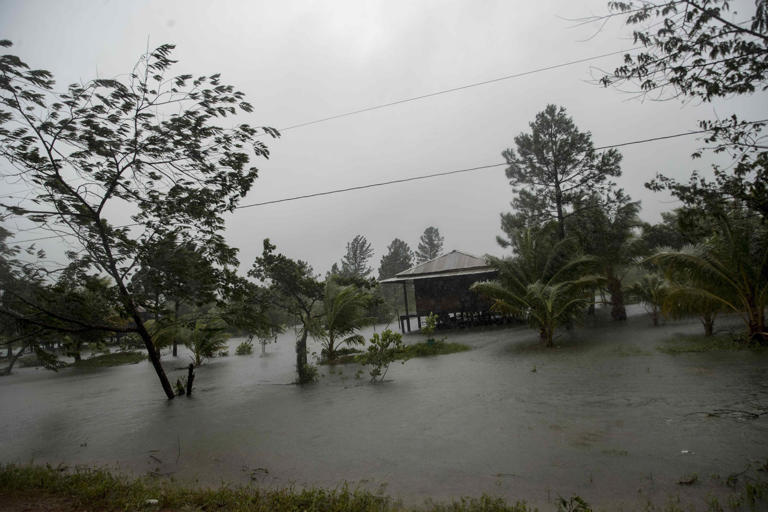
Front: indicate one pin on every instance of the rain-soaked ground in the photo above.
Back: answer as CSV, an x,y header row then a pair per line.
x,y
605,416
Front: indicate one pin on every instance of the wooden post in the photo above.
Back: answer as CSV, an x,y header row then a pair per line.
x,y
190,378
405,295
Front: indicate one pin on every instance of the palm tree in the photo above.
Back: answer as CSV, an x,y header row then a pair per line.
x,y
651,290
679,302
344,313
605,230
730,269
541,284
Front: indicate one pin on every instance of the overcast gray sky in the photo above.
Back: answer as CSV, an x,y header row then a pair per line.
x,y
303,60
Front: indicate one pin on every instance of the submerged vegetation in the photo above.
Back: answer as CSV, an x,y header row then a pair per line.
x,y
682,344
111,359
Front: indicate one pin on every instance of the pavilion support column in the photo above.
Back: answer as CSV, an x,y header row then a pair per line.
x,y
405,296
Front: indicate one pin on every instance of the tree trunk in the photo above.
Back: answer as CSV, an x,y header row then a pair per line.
x,y
618,311
546,337
130,308
655,316
14,358
756,325
176,320
301,356
560,215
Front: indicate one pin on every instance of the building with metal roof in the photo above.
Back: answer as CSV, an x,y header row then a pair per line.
x,y
441,286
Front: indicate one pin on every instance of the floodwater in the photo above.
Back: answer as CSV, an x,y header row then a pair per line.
x,y
605,416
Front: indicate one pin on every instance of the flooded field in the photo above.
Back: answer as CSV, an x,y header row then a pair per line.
x,y
605,415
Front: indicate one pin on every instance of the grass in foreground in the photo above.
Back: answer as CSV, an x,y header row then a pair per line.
x,y
100,490
682,344
58,489
113,359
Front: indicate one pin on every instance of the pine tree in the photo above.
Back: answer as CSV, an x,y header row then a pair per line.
x,y
398,258
430,245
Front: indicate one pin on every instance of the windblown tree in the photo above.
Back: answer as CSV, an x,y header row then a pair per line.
x,y
704,50
553,167
543,283
430,245
19,285
355,261
295,289
604,230
344,313
730,269
151,144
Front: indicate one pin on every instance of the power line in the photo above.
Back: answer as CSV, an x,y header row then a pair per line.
x,y
420,97
421,177
454,89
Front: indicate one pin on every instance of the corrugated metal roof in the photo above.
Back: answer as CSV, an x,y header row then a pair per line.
x,y
455,263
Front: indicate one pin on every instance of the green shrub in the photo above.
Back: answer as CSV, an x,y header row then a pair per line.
x,y
382,351
245,348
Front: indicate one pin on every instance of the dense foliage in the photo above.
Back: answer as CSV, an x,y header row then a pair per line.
x,y
148,141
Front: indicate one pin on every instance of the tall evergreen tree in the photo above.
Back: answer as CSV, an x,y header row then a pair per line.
x,y
399,257
355,261
552,167
430,245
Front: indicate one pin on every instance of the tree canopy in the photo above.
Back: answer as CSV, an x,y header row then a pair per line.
x,y
399,257
149,143
551,168
704,49
294,288
430,245
355,260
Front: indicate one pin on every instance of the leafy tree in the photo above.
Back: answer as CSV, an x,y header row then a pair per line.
x,y
604,230
382,351
542,284
88,298
430,245
399,257
355,261
150,141
731,269
175,272
551,168
345,312
295,289
704,50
